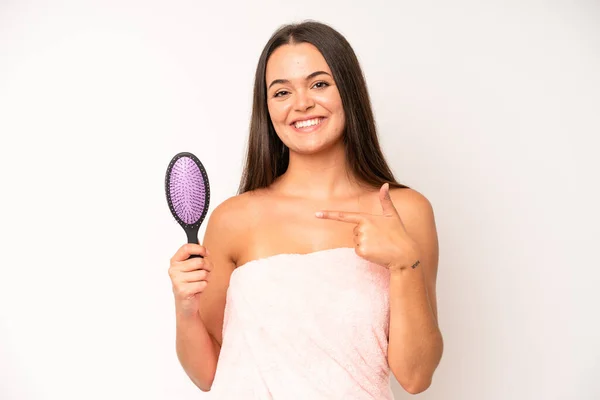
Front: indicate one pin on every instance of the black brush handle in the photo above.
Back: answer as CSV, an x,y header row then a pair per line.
x,y
192,236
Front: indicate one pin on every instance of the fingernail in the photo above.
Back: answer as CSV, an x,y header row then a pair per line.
x,y
318,214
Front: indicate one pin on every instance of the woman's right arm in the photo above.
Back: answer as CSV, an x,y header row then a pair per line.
x,y
200,287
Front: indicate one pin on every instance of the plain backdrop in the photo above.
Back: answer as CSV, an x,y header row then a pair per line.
x,y
490,109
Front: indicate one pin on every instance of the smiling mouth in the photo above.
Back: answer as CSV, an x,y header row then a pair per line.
x,y
308,123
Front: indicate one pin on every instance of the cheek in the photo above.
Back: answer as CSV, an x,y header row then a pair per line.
x,y
333,103
278,112
339,107
336,108
339,110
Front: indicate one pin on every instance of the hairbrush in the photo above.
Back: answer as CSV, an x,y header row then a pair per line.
x,y
188,193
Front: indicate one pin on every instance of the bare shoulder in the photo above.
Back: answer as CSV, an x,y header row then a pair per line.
x,y
234,210
228,211
412,205
229,222
416,213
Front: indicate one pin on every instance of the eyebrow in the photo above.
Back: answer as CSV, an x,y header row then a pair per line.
x,y
282,81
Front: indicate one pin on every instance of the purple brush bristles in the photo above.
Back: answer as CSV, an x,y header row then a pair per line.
x,y
187,190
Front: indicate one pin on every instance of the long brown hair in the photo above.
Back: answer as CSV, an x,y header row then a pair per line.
x,y
268,157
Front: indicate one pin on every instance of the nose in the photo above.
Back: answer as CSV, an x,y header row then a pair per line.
x,y
303,101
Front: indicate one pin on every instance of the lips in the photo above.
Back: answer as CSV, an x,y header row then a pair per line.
x,y
308,125
306,119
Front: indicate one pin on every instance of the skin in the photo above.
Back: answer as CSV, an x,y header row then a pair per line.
x,y
322,208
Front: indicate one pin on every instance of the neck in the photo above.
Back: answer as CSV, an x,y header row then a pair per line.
x,y
322,175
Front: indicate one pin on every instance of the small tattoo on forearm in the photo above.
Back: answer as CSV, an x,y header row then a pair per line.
x,y
415,264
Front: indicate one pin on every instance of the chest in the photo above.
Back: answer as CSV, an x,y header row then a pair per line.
x,y
291,227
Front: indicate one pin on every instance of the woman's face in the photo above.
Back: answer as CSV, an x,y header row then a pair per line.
x,y
303,101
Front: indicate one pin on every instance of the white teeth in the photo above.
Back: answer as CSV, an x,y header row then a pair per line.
x,y
310,122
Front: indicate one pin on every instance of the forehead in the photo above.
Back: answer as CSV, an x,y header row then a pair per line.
x,y
295,61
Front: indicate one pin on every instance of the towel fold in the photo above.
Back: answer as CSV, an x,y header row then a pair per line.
x,y
306,326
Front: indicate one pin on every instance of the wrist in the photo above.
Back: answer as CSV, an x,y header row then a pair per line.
x,y
405,275
186,313
405,265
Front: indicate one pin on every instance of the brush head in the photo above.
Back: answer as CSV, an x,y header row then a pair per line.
x,y
187,190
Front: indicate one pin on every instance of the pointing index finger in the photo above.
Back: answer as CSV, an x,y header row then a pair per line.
x,y
344,216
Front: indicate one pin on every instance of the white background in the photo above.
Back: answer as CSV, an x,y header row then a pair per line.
x,y
490,109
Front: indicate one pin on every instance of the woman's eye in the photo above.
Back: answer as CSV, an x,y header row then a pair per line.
x,y
320,85
280,93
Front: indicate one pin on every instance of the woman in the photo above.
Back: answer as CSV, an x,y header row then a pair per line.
x,y
318,279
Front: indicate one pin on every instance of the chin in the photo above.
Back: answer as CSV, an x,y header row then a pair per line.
x,y
316,148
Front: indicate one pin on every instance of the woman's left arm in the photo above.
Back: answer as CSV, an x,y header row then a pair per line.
x,y
405,242
415,341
